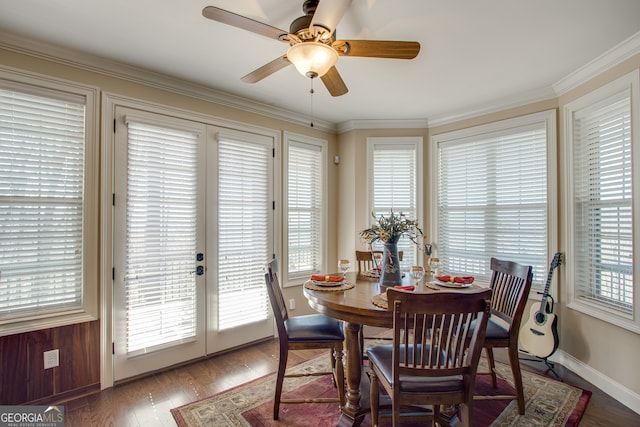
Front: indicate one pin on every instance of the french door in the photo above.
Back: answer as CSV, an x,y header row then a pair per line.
x,y
185,257
240,237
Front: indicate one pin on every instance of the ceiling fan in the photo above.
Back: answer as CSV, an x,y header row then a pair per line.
x,y
313,47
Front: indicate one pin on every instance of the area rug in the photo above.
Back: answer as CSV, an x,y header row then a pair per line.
x,y
548,403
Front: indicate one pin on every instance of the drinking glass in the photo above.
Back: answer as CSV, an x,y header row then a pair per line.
x,y
434,263
344,265
377,262
417,273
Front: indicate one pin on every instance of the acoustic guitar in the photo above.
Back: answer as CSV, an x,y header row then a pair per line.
x,y
539,335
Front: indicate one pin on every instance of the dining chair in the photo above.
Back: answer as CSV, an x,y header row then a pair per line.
x,y
434,356
313,331
365,261
510,283
365,265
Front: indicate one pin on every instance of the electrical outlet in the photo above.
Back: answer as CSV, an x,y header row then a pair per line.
x,y
51,358
292,304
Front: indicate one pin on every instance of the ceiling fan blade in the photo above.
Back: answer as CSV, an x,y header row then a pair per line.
x,y
378,48
334,83
242,22
329,13
266,70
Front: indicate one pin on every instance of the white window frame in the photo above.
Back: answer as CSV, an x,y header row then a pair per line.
x,y
608,313
46,86
548,120
293,279
416,143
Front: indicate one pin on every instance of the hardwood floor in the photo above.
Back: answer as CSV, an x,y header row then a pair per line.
x,y
147,401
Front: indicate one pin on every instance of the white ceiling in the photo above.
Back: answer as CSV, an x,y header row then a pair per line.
x,y
473,52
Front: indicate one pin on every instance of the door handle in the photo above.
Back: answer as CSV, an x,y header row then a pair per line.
x,y
199,270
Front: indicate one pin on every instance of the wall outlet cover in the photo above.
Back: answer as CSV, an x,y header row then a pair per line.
x,y
51,359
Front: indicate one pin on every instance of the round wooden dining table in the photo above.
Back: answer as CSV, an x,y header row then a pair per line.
x,y
356,308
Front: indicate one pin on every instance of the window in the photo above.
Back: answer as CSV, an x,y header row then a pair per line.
x,y
492,197
395,177
603,146
48,192
306,205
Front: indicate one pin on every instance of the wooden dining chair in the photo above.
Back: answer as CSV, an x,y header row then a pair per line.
x,y
311,331
434,356
365,265
510,283
365,261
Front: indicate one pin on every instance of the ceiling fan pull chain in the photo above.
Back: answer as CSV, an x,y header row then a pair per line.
x,y
311,92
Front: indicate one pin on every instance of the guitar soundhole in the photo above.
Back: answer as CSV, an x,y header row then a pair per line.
x,y
540,318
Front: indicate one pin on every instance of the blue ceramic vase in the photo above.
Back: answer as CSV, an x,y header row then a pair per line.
x,y
390,275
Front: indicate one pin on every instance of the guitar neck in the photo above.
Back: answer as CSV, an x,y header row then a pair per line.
x,y
545,293
555,263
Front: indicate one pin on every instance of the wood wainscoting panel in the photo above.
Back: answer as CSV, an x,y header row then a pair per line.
x,y
23,378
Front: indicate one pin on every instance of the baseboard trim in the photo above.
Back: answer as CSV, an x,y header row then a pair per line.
x,y
624,395
67,396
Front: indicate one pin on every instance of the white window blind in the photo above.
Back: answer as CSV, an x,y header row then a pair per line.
x,y
395,187
305,206
492,200
42,151
244,209
161,237
603,203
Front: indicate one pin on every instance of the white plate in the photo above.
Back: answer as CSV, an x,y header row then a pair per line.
x,y
452,284
328,284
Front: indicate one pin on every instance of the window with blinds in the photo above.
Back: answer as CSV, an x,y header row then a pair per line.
x,y
244,229
162,191
492,197
603,194
305,206
395,185
43,147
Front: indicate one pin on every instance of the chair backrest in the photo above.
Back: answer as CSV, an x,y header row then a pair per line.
x,y
365,260
449,327
510,283
275,297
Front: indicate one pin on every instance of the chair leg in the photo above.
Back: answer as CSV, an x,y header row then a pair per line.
x,y
282,366
395,412
514,361
332,358
492,366
435,415
374,399
338,372
464,412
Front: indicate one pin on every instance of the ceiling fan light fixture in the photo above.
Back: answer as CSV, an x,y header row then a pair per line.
x,y
312,59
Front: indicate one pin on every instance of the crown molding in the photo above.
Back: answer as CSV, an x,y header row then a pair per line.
x,y
98,64
514,101
614,56
382,124
602,63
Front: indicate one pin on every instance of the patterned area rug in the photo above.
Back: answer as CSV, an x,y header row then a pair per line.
x,y
548,403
